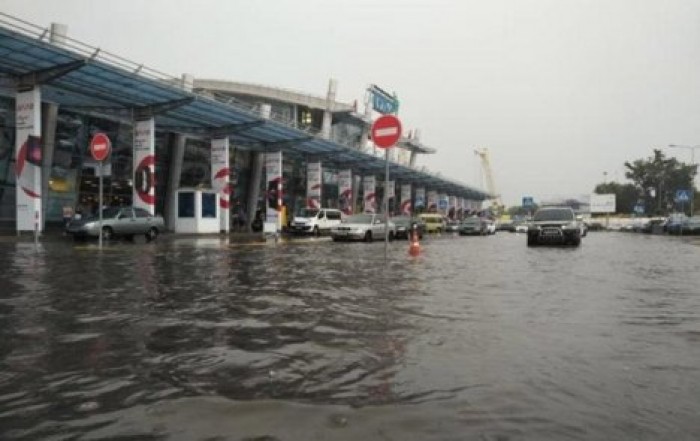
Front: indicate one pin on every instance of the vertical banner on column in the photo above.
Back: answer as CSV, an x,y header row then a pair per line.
x,y
432,201
28,159
420,198
345,201
273,171
220,182
406,208
452,208
370,194
314,183
144,194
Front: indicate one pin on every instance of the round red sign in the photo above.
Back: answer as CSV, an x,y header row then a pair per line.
x,y
386,131
100,146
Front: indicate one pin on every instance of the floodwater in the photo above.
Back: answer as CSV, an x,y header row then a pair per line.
x,y
477,338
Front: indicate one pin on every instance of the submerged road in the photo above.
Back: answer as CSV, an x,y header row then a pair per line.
x,y
478,338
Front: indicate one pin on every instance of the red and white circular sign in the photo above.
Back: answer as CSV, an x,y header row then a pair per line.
x,y
100,146
386,131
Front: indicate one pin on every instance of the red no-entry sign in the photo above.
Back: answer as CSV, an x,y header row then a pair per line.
x,y
386,131
100,146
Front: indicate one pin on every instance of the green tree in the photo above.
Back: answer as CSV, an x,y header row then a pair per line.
x,y
657,178
626,195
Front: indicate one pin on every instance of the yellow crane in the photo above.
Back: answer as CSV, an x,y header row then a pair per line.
x,y
483,154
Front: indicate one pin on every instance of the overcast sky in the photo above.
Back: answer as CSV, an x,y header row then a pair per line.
x,y
559,91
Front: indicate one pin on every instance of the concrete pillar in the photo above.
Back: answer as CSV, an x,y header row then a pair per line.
x,y
256,172
49,119
177,155
356,182
328,112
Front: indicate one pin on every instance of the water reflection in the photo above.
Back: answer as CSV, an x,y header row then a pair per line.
x,y
485,335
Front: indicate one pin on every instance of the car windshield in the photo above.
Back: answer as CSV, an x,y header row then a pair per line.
x,y
554,214
358,219
308,212
401,220
471,221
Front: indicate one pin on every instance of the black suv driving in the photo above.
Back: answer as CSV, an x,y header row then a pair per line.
x,y
554,225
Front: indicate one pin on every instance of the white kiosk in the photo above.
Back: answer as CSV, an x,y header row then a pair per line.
x,y
197,211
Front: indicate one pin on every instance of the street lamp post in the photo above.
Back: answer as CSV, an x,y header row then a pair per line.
x,y
692,162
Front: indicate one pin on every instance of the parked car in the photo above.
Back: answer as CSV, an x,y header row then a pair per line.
x,y
434,222
472,226
687,226
490,226
365,227
554,225
118,221
452,226
315,221
404,225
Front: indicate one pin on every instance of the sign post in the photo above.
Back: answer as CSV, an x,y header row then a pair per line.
x,y
100,148
386,132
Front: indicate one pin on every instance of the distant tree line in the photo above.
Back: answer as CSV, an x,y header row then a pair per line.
x,y
654,183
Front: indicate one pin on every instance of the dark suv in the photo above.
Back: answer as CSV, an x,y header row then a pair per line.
x,y
554,225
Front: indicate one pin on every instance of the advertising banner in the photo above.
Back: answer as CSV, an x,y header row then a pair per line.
x,y
273,171
432,201
28,159
452,207
144,194
390,189
406,199
314,184
220,182
442,203
345,201
370,195
420,198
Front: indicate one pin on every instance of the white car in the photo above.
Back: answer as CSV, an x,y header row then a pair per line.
x,y
365,227
315,221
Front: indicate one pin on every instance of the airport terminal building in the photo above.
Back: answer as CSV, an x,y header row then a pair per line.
x,y
253,146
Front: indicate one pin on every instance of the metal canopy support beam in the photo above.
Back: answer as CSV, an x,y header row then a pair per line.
x,y
28,80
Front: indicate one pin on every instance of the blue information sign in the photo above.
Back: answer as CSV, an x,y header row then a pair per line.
x,y
639,209
682,195
382,102
442,204
528,202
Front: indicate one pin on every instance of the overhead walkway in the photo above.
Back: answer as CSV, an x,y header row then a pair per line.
x,y
84,78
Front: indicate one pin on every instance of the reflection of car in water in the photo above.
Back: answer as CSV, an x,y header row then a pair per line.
x,y
365,227
554,225
118,221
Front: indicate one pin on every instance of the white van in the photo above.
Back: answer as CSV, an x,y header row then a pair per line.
x,y
315,221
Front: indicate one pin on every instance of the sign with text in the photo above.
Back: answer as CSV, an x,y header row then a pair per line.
x,y
370,194
273,171
220,178
144,193
345,201
603,203
314,185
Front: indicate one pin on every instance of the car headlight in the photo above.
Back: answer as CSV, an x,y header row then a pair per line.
x,y
90,225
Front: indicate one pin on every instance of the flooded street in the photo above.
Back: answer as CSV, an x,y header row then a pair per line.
x,y
478,338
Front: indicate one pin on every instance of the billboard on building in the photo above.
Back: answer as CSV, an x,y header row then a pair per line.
x,y
273,171
144,193
220,173
345,201
28,159
406,208
432,200
314,184
420,198
370,194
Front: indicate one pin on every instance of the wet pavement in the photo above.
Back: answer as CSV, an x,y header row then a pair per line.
x,y
478,338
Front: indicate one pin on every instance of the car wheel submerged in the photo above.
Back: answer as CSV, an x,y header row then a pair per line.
x,y
316,231
576,241
152,234
368,236
531,240
107,233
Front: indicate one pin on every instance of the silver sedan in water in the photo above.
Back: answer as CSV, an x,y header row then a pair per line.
x,y
367,227
118,221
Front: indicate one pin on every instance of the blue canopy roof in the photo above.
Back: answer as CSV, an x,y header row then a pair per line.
x,y
111,84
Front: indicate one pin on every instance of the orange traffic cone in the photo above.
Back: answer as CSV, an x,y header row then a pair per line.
x,y
414,248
